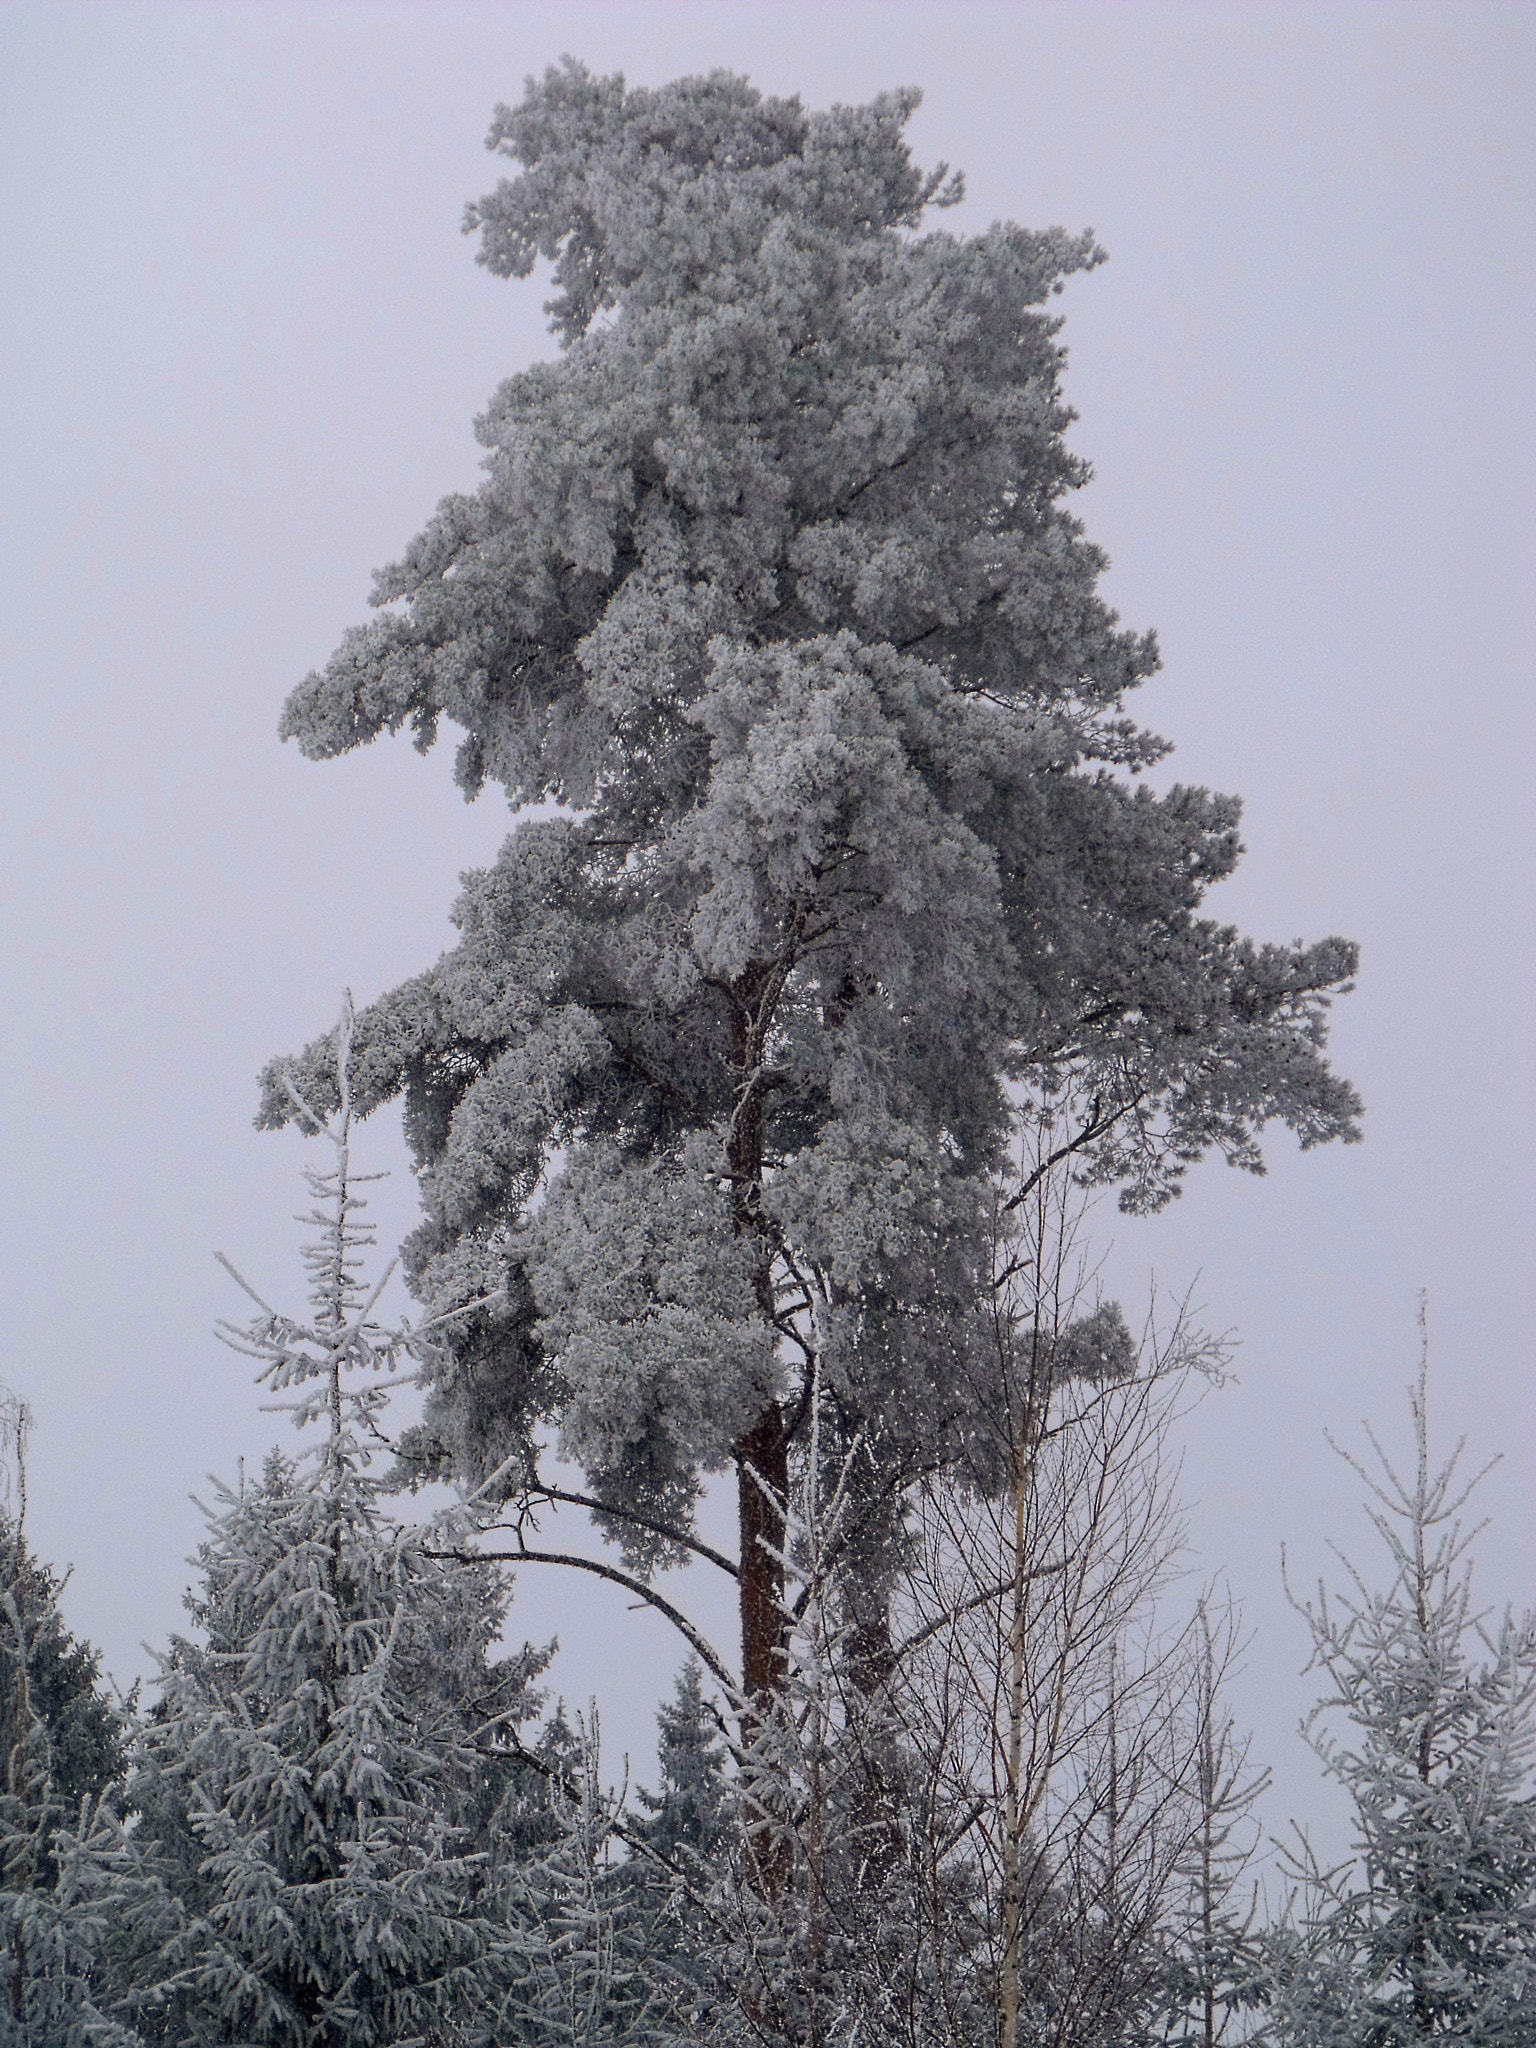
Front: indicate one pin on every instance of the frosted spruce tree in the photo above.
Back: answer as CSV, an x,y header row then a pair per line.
x,y
61,1748
313,1856
772,585
593,1979
684,1836
685,1816
1428,1932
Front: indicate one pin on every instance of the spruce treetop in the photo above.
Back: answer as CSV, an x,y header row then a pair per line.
x,y
316,1857
1428,1724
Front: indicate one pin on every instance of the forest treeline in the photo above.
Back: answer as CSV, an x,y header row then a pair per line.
x,y
350,1814
846,940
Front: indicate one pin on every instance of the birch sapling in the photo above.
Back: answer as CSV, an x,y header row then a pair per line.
x,y
1049,1692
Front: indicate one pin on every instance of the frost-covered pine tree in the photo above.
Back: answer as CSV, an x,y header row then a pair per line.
x,y
312,1857
1428,1932
772,583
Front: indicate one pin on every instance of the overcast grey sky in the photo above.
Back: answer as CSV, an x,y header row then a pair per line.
x,y
243,343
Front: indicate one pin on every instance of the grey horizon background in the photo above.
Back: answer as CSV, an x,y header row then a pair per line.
x,y
243,346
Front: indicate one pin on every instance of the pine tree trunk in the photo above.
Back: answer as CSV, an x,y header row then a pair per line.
x,y
762,1479
762,1452
762,1465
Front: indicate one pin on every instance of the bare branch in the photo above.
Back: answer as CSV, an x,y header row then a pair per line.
x,y
697,1641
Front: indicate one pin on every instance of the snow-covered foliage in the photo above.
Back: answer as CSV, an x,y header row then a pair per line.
x,y
61,1747
311,1853
772,592
1029,1829
593,1978
1429,1725
685,1821
773,584
828,1913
